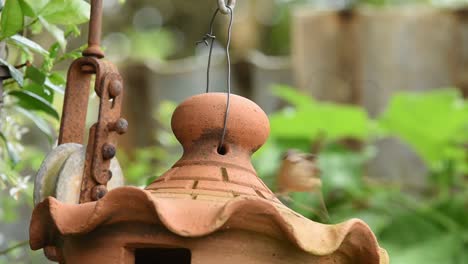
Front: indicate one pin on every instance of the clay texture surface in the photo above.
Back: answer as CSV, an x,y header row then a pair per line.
x,y
207,193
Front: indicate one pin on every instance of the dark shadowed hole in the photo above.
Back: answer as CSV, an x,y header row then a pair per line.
x,y
162,256
223,150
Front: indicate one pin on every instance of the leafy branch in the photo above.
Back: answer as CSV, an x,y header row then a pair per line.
x,y
29,96
19,245
30,92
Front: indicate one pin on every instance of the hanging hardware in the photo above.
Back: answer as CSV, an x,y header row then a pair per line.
x,y
210,36
226,8
95,28
103,134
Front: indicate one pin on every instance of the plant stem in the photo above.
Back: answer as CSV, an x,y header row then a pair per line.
x,y
7,250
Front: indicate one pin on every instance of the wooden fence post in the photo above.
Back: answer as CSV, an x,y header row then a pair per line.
x,y
324,54
366,55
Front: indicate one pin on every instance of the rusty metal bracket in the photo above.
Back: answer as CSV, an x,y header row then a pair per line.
x,y
108,85
102,140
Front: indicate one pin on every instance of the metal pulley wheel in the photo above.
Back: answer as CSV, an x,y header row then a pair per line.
x,y
61,174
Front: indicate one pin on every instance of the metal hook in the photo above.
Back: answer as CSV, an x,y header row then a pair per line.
x,y
226,8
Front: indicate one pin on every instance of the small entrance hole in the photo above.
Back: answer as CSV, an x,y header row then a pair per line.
x,y
222,150
162,256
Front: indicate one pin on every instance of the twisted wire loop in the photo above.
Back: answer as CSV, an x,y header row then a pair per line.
x,y
209,37
208,40
226,8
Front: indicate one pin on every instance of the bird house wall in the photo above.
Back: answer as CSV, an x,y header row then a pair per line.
x,y
117,244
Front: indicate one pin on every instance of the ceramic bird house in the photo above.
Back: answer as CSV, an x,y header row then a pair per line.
x,y
210,207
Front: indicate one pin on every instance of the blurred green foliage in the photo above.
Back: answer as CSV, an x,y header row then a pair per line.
x,y
424,227
434,124
151,45
341,120
30,94
28,99
149,163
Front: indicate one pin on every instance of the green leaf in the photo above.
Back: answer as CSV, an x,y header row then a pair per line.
x,y
434,123
54,50
51,85
66,12
321,120
20,40
454,208
311,119
36,27
57,78
15,73
11,152
342,170
409,228
27,9
292,96
72,30
40,90
31,101
35,75
38,121
12,20
36,5
439,249
72,55
56,32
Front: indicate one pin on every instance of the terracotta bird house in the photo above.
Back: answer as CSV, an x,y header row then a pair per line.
x,y
210,207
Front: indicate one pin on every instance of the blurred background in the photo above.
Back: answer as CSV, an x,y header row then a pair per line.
x,y
374,89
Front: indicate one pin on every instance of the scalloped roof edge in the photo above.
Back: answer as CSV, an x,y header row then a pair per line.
x,y
312,237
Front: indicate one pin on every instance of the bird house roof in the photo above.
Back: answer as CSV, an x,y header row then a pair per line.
x,y
207,191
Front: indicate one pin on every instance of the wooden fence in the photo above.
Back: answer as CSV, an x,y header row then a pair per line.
x,y
366,55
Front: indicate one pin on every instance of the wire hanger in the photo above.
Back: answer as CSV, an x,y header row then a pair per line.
x,y
225,9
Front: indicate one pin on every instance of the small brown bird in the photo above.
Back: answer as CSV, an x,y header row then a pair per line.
x,y
299,173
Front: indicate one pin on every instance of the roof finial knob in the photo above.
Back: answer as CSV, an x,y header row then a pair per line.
x,y
200,119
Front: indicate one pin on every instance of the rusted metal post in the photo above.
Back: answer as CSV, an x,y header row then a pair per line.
x,y
95,28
